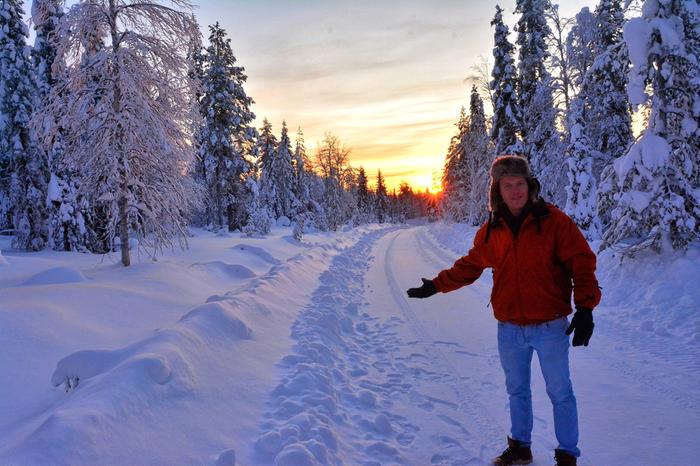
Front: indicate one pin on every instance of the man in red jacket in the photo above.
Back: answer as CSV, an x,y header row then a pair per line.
x,y
538,257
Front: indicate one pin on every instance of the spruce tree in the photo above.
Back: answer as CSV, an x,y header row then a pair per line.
x,y
266,149
541,140
609,119
227,134
24,172
381,206
477,157
68,222
454,188
506,113
655,183
363,197
581,202
283,176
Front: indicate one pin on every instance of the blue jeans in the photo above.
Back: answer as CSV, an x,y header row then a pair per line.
x,y
515,346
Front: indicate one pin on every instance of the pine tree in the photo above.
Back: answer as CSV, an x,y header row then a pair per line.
x,y
24,173
655,182
226,135
133,171
541,141
381,206
506,113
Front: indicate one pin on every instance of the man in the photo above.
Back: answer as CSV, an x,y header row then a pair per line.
x,y
535,252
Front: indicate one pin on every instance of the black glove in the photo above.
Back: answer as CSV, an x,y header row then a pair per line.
x,y
582,326
428,289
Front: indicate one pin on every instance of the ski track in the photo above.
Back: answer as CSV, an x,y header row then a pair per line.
x,y
480,423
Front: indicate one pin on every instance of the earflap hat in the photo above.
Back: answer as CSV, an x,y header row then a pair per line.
x,y
510,165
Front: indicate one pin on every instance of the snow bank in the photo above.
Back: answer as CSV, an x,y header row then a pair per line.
x,y
56,276
211,369
654,297
236,271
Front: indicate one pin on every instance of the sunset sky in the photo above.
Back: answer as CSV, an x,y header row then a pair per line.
x,y
386,76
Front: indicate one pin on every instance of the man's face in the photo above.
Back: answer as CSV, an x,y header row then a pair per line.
x,y
514,191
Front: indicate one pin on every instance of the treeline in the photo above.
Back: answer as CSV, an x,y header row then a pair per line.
x,y
119,129
567,103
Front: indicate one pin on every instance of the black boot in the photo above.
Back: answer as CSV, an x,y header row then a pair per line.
x,y
516,453
564,459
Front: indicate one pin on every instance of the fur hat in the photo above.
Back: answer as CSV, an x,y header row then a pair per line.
x,y
510,165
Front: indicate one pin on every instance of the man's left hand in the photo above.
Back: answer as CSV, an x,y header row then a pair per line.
x,y
582,326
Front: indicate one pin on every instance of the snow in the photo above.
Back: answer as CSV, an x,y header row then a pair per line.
x,y
260,351
651,150
637,33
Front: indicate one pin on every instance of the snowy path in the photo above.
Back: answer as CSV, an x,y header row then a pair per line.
x,y
376,378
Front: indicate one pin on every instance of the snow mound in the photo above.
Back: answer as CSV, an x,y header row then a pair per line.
x,y
259,252
231,270
218,318
85,365
227,458
56,276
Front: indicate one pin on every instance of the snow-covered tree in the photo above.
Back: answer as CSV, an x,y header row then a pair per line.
x,y
226,134
655,183
302,173
260,217
580,48
24,172
609,121
125,115
541,140
581,203
381,199
331,160
477,158
364,200
68,213
558,60
283,176
454,197
506,113
266,150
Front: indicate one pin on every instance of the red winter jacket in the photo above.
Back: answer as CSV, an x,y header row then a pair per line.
x,y
533,272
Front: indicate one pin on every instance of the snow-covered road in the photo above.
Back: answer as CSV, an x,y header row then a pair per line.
x,y
311,354
418,381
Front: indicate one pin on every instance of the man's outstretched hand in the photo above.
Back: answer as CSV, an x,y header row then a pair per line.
x,y
425,291
582,326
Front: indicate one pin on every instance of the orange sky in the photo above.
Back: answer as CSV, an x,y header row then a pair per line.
x,y
388,77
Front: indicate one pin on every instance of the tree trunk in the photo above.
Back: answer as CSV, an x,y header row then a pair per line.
x,y
122,199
